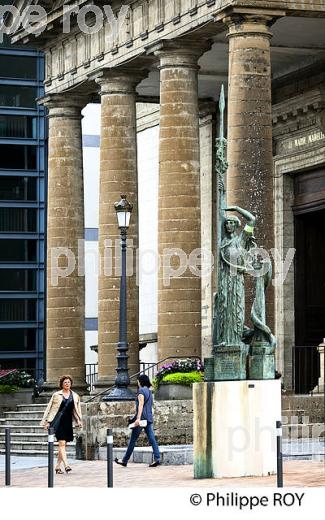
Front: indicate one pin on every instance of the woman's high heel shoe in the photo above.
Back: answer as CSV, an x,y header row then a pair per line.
x,y
68,469
58,471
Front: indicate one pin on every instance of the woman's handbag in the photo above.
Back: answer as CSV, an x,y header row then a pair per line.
x,y
56,421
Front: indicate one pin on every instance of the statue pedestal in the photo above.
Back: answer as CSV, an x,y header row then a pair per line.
x,y
230,362
261,362
235,428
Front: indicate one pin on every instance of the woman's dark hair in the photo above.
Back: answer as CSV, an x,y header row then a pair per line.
x,y
144,380
63,378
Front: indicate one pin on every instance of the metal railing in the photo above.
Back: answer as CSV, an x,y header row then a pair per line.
x,y
148,368
306,370
91,375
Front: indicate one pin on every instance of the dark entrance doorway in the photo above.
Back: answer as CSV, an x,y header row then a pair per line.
x,y
309,277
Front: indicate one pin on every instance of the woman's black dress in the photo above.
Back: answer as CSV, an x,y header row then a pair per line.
x,y
64,431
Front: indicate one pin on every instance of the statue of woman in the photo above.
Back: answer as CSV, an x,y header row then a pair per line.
x,y
233,264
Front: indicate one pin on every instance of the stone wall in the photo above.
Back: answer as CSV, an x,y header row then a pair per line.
x,y
173,425
173,422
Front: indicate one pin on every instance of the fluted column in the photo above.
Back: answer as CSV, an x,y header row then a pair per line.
x,y
250,157
118,175
65,301
179,298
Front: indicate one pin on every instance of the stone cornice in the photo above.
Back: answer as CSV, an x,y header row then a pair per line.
x,y
299,106
71,58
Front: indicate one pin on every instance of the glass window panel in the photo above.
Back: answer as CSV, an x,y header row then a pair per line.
x,y
17,310
24,67
18,188
18,250
18,126
20,220
18,280
18,157
17,340
16,96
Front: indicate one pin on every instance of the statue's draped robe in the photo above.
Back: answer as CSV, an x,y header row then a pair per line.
x,y
231,290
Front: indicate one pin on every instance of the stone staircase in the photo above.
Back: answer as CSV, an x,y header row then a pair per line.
x,y
27,437
297,424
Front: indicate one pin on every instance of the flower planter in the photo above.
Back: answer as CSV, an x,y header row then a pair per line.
x,y
173,392
22,396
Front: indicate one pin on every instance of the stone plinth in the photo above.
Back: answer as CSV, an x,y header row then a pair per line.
x,y
230,362
235,428
173,392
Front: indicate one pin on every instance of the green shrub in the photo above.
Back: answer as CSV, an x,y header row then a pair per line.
x,y
178,366
7,389
20,379
183,378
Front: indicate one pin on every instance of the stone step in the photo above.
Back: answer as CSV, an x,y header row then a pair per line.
x,y
34,453
301,431
23,415
33,445
31,408
22,429
25,437
22,422
290,416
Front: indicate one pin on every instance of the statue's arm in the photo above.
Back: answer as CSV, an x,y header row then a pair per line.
x,y
246,214
247,235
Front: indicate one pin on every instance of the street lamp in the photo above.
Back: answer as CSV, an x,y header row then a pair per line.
x,y
121,392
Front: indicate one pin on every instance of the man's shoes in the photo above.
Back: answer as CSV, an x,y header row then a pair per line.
x,y
120,462
154,464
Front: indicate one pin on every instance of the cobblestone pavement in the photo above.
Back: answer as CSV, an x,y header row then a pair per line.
x,y
93,474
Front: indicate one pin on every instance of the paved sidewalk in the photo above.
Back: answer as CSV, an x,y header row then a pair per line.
x,y
93,474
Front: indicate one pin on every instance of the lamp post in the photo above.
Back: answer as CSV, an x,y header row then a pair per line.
x,y
121,392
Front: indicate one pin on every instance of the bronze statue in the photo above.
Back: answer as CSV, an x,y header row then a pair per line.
x,y
239,352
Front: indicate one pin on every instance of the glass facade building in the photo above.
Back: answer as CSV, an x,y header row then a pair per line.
x,y
22,210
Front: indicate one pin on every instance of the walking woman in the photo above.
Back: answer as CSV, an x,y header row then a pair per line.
x,y
143,413
62,413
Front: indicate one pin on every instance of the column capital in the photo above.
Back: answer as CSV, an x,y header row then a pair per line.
x,y
120,80
240,24
66,105
184,52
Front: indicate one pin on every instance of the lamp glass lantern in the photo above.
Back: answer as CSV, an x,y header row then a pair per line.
x,y
123,212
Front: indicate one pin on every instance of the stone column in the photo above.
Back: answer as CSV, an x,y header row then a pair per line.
x,y
65,342
250,157
179,229
118,175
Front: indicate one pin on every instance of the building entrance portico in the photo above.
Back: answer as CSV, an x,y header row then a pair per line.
x,y
175,55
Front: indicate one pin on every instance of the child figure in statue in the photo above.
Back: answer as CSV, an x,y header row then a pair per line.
x,y
230,299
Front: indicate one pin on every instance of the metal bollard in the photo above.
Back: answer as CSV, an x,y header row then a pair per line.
x,y
110,458
8,462
50,467
279,454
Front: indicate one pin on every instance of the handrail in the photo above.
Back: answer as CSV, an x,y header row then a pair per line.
x,y
140,372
